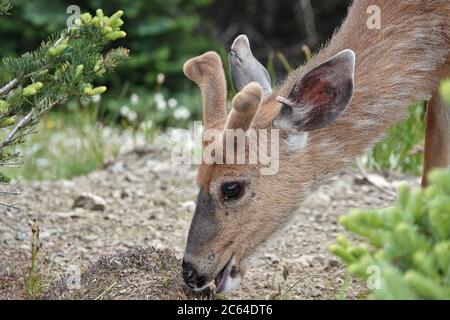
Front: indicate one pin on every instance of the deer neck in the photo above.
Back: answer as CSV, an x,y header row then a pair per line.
x,y
396,66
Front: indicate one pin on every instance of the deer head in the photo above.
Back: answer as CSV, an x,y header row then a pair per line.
x,y
238,208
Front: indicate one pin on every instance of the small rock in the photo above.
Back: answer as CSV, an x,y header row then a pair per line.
x,y
89,201
306,260
124,194
315,293
116,194
117,167
44,235
68,215
111,217
272,258
21,236
333,263
189,205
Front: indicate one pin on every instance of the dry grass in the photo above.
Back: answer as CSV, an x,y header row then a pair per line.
x,y
34,280
135,274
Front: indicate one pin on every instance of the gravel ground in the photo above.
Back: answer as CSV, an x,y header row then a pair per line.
x,y
144,201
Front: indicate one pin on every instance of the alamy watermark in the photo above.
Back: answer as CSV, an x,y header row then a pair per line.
x,y
374,20
229,147
374,279
75,13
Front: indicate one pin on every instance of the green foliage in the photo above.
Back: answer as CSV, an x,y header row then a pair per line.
x,y
34,279
163,38
402,148
409,243
156,110
67,145
445,91
86,136
162,35
5,7
63,67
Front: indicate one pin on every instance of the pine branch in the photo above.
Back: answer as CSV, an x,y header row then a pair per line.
x,y
14,82
24,122
63,67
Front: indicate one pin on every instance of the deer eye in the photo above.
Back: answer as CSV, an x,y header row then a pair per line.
x,y
232,190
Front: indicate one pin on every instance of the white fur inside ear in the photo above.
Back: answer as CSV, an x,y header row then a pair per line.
x,y
297,141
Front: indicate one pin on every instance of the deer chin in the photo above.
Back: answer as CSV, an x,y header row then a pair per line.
x,y
229,278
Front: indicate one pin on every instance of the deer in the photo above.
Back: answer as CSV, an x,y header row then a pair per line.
x,y
327,112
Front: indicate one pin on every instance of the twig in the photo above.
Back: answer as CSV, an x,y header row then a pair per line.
x,y
22,123
8,87
10,265
47,109
9,206
364,173
284,295
10,193
26,120
11,164
104,292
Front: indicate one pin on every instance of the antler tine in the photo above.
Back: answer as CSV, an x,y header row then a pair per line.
x,y
207,72
245,104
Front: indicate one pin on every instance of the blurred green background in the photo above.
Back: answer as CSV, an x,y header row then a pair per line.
x,y
163,34
149,94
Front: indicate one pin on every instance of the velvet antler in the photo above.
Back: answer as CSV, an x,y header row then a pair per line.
x,y
207,72
245,104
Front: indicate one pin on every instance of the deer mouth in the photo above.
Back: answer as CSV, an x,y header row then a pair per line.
x,y
227,278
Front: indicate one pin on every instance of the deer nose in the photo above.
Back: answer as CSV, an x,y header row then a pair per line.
x,y
191,277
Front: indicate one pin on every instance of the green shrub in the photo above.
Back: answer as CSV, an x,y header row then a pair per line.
x,y
162,35
63,67
409,243
67,145
402,148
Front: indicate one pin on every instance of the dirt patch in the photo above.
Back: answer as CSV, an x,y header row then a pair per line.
x,y
135,274
149,202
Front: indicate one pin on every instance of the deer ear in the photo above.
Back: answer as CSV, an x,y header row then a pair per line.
x,y
245,68
321,96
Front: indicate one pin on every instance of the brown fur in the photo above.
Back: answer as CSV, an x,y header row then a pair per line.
x,y
437,137
245,104
397,65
